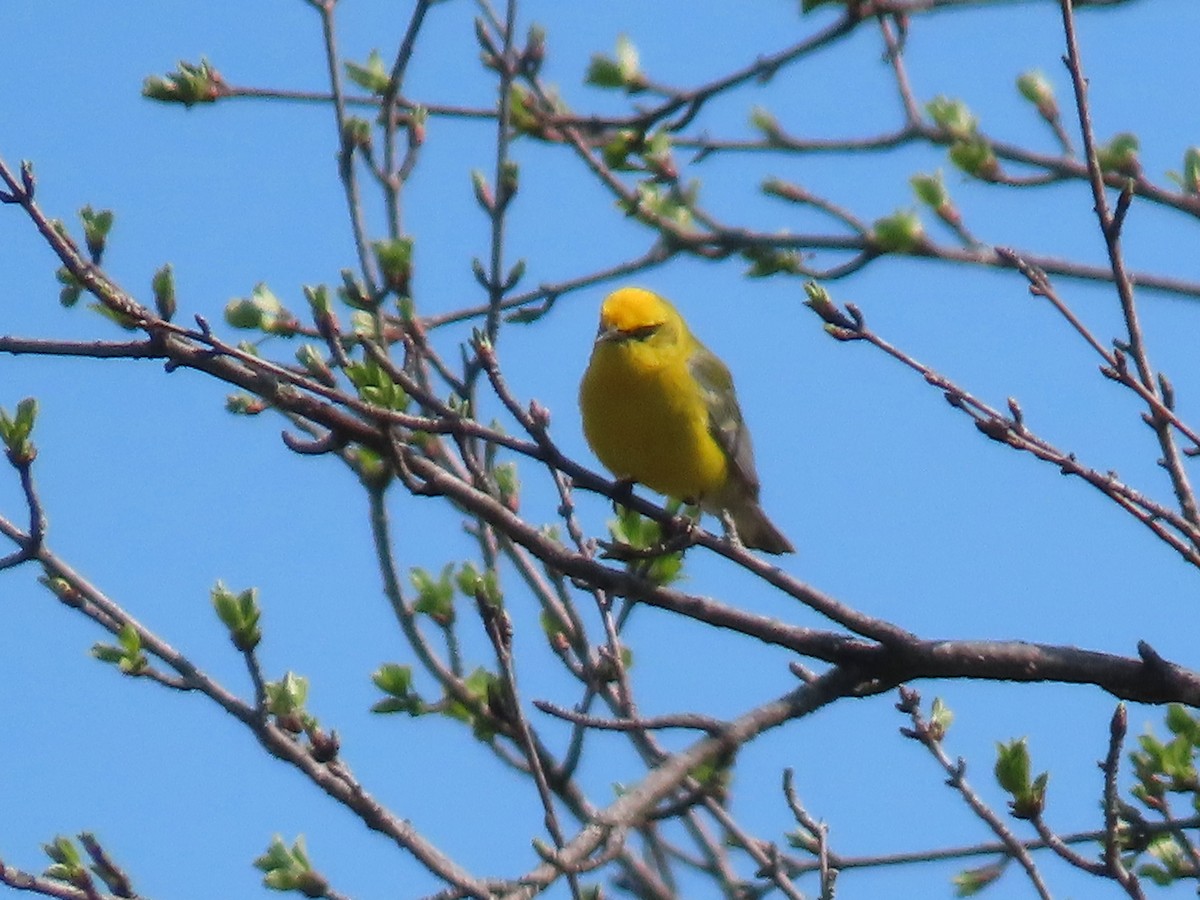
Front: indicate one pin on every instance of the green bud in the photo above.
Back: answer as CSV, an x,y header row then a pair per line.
x,y
163,286
244,404
126,654
901,232
376,387
953,116
286,699
353,292
763,121
240,613
1035,88
356,134
96,226
15,431
1189,181
289,869
975,156
1120,155
313,360
394,257
71,290
930,190
261,311
483,191
620,146
509,182
940,718
189,84
522,111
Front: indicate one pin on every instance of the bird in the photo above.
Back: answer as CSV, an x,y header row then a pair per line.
x,y
659,408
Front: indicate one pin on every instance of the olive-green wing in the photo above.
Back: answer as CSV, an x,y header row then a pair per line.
x,y
725,421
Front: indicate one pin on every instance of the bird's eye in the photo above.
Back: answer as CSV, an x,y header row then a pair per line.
x,y
640,334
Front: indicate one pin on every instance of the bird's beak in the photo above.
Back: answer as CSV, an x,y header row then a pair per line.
x,y
608,333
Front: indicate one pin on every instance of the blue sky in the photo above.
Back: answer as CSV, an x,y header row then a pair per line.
x,y
897,504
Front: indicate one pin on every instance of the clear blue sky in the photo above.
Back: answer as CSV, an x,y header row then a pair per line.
x,y
899,507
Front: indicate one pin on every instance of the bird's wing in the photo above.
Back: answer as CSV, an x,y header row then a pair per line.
x,y
725,421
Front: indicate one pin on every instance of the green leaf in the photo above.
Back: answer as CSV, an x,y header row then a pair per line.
x,y
1183,723
1012,766
396,681
1013,774
67,861
373,77
642,533
435,596
622,70
940,718
970,882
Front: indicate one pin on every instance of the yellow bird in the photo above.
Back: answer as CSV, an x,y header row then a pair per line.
x,y
659,408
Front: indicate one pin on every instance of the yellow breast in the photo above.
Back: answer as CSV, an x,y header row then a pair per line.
x,y
645,417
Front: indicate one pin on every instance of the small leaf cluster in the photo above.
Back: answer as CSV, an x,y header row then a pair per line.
x,y
633,150
287,868
189,84
16,429
638,532
1013,775
68,865
126,654
622,70
240,613
1120,155
970,151
261,311
1164,769
376,387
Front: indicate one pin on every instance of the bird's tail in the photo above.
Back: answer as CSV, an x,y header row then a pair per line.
x,y
758,532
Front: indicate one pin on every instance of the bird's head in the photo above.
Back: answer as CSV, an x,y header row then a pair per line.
x,y
634,314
